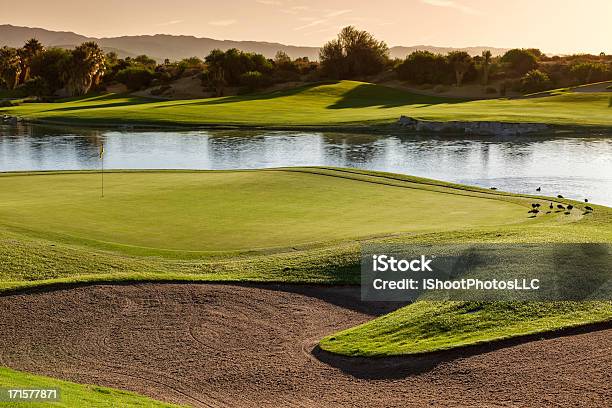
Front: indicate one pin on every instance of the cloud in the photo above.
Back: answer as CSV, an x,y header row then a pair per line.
x,y
222,23
171,22
313,23
317,21
337,13
270,2
451,4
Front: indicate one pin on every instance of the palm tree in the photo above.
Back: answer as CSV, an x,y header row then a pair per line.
x,y
461,62
486,66
10,67
31,48
85,68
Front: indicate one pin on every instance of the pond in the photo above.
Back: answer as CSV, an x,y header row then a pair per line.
x,y
576,166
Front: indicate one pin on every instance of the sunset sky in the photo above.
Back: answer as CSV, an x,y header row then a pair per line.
x,y
560,26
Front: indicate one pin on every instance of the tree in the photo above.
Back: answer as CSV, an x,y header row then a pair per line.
x,y
30,50
520,60
486,66
85,68
49,65
535,81
353,54
135,77
424,67
461,62
145,61
10,67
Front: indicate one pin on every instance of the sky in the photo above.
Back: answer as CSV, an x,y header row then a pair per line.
x,y
555,26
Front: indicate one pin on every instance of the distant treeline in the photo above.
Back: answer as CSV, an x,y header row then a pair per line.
x,y
34,70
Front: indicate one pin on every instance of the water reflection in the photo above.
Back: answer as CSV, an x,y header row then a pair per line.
x,y
575,166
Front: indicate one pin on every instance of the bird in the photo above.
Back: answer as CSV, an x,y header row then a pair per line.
x,y
588,208
493,188
559,196
550,206
538,205
548,212
539,189
569,207
586,200
559,206
533,205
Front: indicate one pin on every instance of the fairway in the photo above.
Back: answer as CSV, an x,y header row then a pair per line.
x,y
236,210
342,103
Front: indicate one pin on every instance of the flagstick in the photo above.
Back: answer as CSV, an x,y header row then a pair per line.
x,y
102,158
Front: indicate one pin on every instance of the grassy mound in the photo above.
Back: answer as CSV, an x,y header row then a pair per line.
x,y
73,395
186,213
433,326
328,104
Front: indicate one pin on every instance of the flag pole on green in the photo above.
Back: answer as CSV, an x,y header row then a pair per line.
x,y
102,159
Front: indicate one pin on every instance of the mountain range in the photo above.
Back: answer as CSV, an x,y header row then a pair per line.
x,y
176,47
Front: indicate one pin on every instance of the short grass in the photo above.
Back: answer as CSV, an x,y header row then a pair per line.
x,y
73,395
340,103
157,213
300,225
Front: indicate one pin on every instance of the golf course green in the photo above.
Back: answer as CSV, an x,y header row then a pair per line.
x,y
342,103
224,211
285,225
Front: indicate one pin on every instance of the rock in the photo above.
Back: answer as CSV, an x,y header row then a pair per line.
x,y
472,128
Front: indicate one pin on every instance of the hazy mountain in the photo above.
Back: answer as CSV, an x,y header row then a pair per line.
x,y
174,47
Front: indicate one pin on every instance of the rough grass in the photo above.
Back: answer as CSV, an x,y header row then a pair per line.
x,y
326,104
427,326
72,394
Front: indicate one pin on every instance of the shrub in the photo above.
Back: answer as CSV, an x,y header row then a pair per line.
x,y
520,61
440,88
535,81
586,72
421,67
35,87
253,80
135,78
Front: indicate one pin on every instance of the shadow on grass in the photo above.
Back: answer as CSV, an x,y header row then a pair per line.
x,y
251,97
369,95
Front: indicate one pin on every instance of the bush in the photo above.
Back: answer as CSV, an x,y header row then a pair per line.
x,y
521,61
440,88
253,80
35,87
421,67
135,78
535,81
586,72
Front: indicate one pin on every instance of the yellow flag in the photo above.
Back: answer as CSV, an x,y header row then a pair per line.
x,y
101,150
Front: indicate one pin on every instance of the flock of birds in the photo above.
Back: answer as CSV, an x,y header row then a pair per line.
x,y
535,207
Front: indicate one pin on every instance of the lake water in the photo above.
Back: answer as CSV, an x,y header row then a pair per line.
x,y
576,166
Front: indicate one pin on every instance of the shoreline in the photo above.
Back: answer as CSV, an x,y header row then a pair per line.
x,y
394,127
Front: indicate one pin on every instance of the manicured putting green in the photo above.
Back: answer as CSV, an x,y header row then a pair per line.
x,y
236,210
